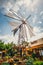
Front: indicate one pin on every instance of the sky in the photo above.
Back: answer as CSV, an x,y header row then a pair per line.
x,y
24,7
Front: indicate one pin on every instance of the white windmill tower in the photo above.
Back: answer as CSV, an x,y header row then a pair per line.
x,y
23,27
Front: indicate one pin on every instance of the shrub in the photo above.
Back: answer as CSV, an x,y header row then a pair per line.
x,y
29,61
5,63
38,63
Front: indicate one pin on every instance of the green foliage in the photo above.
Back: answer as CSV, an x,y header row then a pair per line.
x,y
5,63
34,56
8,47
11,52
2,46
29,61
38,63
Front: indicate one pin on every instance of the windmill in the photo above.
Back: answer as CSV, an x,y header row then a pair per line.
x,y
21,27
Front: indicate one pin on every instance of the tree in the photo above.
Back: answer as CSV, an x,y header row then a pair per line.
x,y
2,46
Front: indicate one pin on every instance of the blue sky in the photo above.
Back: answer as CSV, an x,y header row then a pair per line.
x,y
25,7
4,25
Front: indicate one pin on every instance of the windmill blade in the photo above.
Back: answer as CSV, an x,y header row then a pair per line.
x,y
30,30
21,15
30,26
11,16
16,29
14,24
27,17
15,14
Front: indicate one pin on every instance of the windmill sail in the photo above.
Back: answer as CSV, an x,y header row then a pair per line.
x,y
28,17
16,29
14,24
11,16
30,30
14,13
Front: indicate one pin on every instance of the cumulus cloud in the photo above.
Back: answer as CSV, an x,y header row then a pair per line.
x,y
9,38
16,5
41,13
38,36
33,5
34,19
40,22
36,30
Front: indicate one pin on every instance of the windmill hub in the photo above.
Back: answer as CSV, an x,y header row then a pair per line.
x,y
23,21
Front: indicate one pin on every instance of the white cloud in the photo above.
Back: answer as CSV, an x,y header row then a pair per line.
x,y
36,30
6,7
34,19
9,38
41,13
27,2
19,3
36,5
41,29
33,6
40,22
36,37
